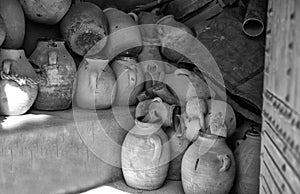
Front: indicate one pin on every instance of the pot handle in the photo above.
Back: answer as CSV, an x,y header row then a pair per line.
x,y
6,65
226,162
182,72
134,16
93,81
132,77
52,58
155,139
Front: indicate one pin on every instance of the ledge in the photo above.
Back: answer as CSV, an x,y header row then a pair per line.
x,y
59,152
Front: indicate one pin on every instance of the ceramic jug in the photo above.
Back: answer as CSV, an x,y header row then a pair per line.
x,y
45,11
208,166
2,31
95,85
130,80
20,64
56,70
83,26
14,20
247,155
145,155
220,119
174,37
163,110
178,146
124,34
186,84
17,92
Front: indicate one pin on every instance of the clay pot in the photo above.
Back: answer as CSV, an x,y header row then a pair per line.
x,y
163,110
208,166
20,64
178,146
94,85
13,17
174,37
45,11
186,84
220,119
247,155
2,31
56,75
17,92
124,34
145,156
130,80
83,26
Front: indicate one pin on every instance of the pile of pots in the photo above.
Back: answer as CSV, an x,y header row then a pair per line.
x,y
102,58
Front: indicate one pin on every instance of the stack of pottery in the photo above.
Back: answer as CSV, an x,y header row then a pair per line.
x,y
124,34
130,80
84,26
56,72
247,155
14,21
45,11
145,155
208,166
18,86
95,84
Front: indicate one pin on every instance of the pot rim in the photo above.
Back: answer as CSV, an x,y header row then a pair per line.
x,y
164,18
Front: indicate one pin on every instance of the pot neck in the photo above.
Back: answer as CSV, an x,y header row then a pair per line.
x,y
147,128
51,43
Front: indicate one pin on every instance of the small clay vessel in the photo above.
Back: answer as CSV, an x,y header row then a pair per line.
x,y
95,85
247,155
145,155
220,119
45,11
208,166
124,34
130,80
17,92
14,20
163,110
83,26
56,70
2,31
174,37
